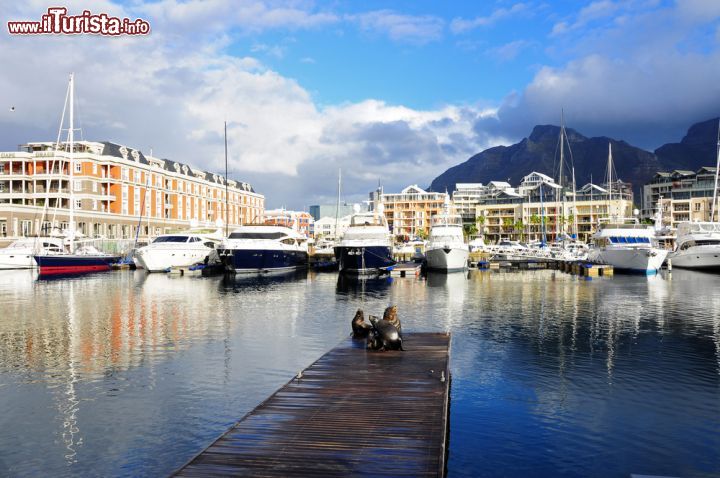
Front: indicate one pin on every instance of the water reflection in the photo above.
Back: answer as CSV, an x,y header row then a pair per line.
x,y
548,369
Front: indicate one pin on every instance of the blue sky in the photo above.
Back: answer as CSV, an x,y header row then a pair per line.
x,y
389,91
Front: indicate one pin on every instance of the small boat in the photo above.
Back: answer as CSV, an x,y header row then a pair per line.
x,y
82,260
366,247
180,249
446,249
263,249
19,254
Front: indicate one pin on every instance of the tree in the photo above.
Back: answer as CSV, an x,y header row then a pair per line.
x,y
470,230
507,224
520,226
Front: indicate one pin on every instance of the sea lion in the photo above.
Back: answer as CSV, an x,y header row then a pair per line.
x,y
391,316
373,338
386,333
360,328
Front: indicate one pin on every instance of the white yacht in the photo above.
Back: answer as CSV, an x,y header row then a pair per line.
x,y
629,247
264,249
19,254
366,246
698,243
698,246
180,249
446,249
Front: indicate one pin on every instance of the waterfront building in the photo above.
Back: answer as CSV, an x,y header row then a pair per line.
x,y
467,196
683,195
318,211
117,190
300,221
517,214
408,212
325,226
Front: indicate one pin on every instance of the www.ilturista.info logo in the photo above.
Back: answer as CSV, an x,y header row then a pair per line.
x,y
57,21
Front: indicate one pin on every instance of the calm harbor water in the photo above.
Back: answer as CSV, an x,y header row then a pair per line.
x,y
129,374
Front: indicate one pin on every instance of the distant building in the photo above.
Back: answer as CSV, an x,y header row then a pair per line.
x,y
117,190
504,212
408,212
301,221
684,195
325,227
328,210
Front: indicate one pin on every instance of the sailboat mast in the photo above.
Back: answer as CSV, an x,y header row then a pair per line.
x,y
337,205
717,172
227,198
609,178
71,141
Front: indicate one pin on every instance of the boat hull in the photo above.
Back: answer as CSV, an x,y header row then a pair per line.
x,y
263,260
700,257
22,260
447,259
645,260
157,260
74,264
364,259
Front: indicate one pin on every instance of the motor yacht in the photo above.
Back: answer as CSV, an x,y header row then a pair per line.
x,y
266,248
180,249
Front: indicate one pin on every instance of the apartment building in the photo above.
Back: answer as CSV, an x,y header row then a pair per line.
x,y
408,212
683,195
117,190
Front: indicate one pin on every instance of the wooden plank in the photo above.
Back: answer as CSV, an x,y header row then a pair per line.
x,y
354,412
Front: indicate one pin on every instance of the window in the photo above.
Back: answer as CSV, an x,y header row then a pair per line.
x,y
26,228
2,168
78,204
78,167
697,206
77,185
95,169
94,187
125,174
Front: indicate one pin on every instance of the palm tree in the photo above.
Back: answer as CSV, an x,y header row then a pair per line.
x,y
470,230
507,224
535,221
519,225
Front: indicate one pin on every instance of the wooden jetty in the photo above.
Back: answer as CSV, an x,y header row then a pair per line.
x,y
354,412
406,269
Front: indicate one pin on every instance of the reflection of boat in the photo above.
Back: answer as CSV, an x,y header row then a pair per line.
x,y
252,280
365,247
180,249
446,248
365,285
19,254
264,249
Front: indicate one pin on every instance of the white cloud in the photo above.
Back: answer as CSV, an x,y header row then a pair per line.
x,y
509,51
148,93
406,28
460,25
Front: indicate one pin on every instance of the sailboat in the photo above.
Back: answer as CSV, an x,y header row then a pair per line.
x,y
624,243
86,258
698,243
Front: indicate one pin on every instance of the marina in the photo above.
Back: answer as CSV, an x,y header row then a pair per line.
x,y
421,239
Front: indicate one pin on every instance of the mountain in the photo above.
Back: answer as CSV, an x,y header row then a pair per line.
x,y
698,148
539,152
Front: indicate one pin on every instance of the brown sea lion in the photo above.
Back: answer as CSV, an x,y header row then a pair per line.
x,y
391,316
360,328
